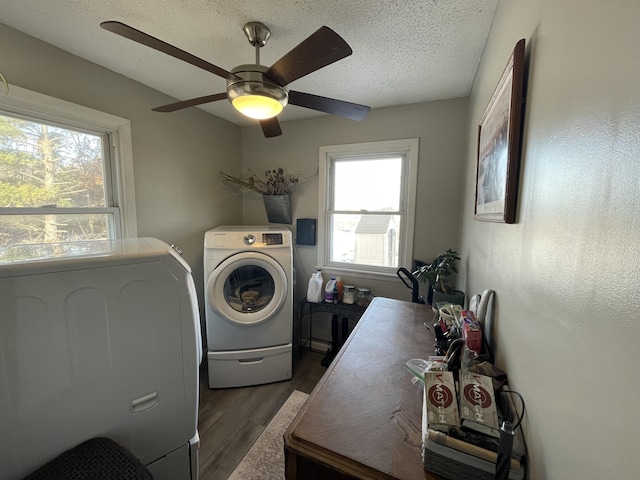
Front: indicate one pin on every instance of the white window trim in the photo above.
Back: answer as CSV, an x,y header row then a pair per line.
x,y
37,105
410,147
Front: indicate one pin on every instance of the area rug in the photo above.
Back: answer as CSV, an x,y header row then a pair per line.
x,y
265,459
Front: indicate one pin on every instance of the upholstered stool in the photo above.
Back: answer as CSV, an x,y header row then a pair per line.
x,y
96,459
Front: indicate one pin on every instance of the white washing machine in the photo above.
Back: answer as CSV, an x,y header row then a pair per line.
x,y
248,272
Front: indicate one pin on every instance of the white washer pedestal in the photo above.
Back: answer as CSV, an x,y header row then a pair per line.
x,y
249,367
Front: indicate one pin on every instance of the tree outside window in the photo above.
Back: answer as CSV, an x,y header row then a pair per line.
x,y
52,183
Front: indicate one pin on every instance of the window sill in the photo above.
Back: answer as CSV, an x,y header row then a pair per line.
x,y
356,273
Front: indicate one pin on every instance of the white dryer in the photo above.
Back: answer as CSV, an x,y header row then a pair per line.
x,y
99,339
248,273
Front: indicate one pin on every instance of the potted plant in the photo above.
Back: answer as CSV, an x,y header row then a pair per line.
x,y
437,274
275,186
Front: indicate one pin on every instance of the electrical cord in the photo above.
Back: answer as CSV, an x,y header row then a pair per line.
x,y
507,434
523,407
295,247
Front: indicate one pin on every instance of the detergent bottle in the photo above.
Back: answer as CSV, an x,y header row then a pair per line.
x,y
340,289
328,290
314,290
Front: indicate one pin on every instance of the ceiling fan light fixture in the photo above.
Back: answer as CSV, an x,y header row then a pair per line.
x,y
254,97
255,101
257,106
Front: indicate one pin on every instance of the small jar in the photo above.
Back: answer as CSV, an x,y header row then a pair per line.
x,y
349,294
363,297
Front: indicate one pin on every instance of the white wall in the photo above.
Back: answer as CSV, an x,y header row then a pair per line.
x,y
566,275
440,129
176,156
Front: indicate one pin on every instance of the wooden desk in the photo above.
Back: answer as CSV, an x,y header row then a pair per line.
x,y
363,419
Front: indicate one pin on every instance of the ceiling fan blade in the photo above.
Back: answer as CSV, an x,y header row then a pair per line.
x,y
271,127
172,107
145,39
341,108
320,49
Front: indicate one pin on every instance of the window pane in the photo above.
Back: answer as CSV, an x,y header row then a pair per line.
x,y
51,251
365,239
46,165
54,228
368,184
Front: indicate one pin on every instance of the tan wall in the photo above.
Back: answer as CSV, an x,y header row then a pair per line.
x,y
176,157
440,128
566,275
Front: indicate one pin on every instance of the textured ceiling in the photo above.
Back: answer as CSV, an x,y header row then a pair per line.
x,y
404,51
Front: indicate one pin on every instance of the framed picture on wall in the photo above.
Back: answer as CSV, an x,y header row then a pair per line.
x,y
499,135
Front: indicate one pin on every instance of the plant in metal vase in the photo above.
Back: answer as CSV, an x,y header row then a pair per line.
x,y
274,185
437,274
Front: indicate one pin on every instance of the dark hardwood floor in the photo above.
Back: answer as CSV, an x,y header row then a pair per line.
x,y
231,419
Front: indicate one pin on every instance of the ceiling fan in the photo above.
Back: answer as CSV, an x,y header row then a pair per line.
x,y
258,91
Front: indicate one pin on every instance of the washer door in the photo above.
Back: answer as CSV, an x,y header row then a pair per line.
x,y
247,288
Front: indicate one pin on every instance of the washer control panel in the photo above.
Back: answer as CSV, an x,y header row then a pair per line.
x,y
272,239
246,239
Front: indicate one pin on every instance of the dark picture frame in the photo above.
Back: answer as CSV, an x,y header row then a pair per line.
x,y
499,136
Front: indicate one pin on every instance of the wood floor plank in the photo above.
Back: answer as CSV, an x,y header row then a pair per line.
x,y
231,419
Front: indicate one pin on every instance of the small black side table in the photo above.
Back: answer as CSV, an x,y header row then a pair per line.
x,y
339,335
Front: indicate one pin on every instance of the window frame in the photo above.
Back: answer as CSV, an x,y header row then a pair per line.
x,y
118,169
409,150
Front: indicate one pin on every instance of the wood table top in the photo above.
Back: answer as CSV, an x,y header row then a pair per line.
x,y
364,416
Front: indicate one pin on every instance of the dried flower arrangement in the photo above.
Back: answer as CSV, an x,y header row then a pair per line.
x,y
275,182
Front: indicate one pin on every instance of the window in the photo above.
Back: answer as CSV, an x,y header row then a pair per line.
x,y
367,205
65,172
